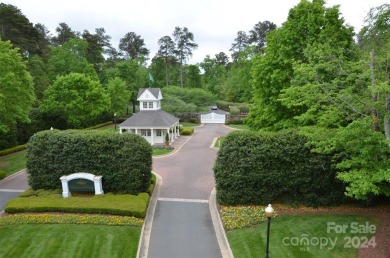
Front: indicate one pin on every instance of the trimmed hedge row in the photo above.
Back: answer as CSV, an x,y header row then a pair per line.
x,y
259,168
125,205
124,160
186,130
13,149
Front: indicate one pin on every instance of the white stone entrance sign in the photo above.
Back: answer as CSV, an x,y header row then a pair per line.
x,y
81,185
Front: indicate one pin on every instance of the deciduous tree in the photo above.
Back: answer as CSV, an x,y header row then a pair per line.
x,y
16,88
77,98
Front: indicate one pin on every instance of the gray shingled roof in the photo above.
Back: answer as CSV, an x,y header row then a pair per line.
x,y
154,91
150,118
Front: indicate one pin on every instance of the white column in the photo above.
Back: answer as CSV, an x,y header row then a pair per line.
x,y
151,136
136,131
65,187
97,181
178,126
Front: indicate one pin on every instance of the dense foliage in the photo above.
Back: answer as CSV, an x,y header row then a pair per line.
x,y
124,161
258,168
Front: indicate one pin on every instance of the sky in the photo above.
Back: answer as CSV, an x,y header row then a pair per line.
x,y
214,23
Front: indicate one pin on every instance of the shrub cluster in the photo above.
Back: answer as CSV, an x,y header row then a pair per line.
x,y
186,130
2,174
124,160
259,168
13,149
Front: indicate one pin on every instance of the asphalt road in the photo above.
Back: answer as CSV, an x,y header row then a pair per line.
x,y
11,187
182,225
183,230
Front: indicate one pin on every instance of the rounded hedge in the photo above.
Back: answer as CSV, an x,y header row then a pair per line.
x,y
259,168
124,160
186,130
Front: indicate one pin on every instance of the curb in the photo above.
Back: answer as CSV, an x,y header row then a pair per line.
x,y
223,243
143,245
15,174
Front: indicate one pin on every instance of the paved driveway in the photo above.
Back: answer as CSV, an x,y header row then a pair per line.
x,y
11,187
182,225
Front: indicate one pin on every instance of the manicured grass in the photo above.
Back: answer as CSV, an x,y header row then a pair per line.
x,y
121,204
288,231
158,152
186,124
13,163
68,241
218,143
240,127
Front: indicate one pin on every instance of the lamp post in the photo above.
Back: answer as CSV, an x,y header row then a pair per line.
x,y
115,121
269,211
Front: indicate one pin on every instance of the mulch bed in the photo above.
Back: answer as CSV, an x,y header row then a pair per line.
x,y
381,212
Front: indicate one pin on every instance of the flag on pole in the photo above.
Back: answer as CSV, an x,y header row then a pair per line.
x,y
151,80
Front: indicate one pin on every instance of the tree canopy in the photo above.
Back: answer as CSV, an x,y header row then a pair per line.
x,y
75,97
16,88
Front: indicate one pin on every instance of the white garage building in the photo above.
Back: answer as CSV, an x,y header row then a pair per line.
x,y
214,117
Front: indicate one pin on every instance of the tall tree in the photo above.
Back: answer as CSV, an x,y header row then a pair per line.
x,y
15,26
308,23
222,59
133,46
97,44
257,36
240,43
119,95
71,57
374,39
44,39
16,88
193,79
184,40
166,51
64,34
77,98
214,74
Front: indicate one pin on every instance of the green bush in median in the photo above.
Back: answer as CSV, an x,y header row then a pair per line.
x,y
124,160
257,168
186,130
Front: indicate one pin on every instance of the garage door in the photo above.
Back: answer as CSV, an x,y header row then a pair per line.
x,y
212,118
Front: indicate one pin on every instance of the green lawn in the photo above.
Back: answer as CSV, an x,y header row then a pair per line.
x,y
68,241
288,231
219,142
240,127
13,163
185,124
158,152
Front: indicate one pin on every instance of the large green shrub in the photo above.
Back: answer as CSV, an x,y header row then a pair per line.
x,y
259,168
124,160
186,130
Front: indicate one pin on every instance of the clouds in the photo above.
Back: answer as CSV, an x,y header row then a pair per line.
x,y
214,23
